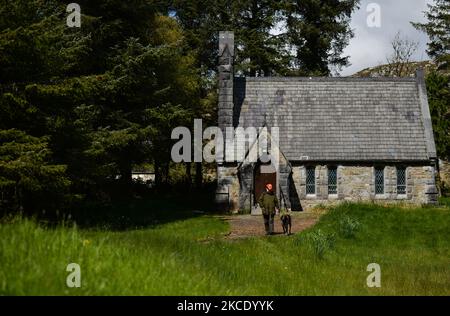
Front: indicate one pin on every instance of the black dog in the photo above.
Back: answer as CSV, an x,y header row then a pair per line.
x,y
286,223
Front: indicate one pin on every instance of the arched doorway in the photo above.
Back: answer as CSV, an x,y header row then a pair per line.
x,y
264,173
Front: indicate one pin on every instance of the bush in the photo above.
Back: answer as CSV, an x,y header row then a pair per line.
x,y
444,201
348,227
320,242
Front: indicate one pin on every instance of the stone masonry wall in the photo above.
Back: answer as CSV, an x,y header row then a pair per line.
x,y
356,184
421,185
228,188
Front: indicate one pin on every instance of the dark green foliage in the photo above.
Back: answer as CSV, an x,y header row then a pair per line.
x,y
348,227
318,31
438,90
444,201
437,28
266,33
261,53
320,242
84,100
25,173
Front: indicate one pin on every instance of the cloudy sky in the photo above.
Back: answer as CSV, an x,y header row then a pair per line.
x,y
370,45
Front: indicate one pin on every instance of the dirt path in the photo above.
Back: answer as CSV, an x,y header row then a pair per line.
x,y
243,226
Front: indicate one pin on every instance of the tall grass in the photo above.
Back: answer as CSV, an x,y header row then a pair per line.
x,y
348,227
191,257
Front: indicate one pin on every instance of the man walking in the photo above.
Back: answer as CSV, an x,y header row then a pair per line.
x,y
269,204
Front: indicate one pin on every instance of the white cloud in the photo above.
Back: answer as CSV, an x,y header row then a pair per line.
x,y
370,46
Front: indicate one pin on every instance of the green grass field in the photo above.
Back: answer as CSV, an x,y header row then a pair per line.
x,y
191,257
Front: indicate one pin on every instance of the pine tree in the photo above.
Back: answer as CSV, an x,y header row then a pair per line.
x,y
37,51
26,174
439,101
438,30
84,95
268,31
259,51
318,31
438,82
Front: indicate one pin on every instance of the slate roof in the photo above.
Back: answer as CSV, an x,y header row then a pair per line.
x,y
339,119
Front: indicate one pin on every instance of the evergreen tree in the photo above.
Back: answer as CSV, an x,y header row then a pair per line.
x,y
438,82
318,31
259,51
35,48
438,90
438,30
85,95
26,176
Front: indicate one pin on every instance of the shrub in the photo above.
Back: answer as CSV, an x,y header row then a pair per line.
x,y
444,201
348,227
320,242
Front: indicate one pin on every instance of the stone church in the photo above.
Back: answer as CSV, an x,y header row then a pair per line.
x,y
340,139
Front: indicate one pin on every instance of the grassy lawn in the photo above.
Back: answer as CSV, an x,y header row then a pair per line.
x,y
191,257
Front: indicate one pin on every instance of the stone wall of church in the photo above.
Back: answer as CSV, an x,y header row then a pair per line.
x,y
228,188
357,184
354,184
